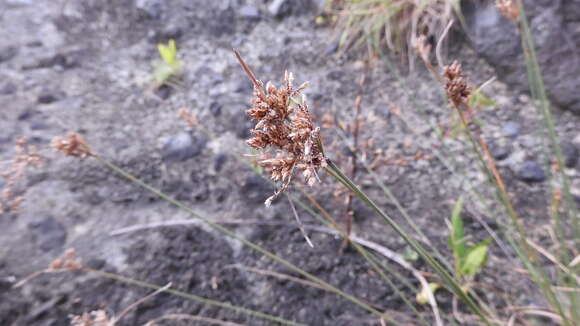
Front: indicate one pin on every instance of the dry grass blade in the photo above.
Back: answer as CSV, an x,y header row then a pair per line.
x,y
553,259
140,301
208,320
277,275
299,222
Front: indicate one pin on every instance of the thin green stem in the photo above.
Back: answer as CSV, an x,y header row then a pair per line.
x,y
441,271
250,244
193,297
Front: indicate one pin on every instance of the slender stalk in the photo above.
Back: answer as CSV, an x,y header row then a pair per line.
x,y
193,297
335,171
538,89
233,235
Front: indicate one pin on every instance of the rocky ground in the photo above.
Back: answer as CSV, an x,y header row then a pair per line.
x,y
87,66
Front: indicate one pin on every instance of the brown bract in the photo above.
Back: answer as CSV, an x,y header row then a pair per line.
x,y
456,87
284,132
68,261
72,144
509,8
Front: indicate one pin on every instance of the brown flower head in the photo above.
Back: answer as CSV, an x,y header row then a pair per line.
x,y
72,144
456,87
14,171
94,318
68,261
285,125
509,8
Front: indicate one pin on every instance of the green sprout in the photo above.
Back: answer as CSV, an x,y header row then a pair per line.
x,y
468,261
170,67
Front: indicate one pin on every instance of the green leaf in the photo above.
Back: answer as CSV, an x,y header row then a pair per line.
x,y
410,255
168,52
475,258
456,239
479,100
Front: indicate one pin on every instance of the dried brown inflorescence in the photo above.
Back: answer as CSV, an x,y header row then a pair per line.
x,y
26,156
456,87
285,125
94,318
509,8
69,261
72,144
189,117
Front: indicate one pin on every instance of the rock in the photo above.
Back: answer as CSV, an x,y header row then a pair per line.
x,y
152,9
219,161
531,171
335,74
47,97
250,13
497,40
241,125
7,53
279,8
283,8
500,151
8,88
570,153
96,263
215,108
48,234
163,91
181,147
256,189
511,129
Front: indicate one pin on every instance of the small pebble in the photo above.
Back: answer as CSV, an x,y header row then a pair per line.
x,y
181,147
531,171
511,129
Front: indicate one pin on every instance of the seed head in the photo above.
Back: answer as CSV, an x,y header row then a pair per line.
x,y
68,261
284,124
94,318
72,144
509,8
456,87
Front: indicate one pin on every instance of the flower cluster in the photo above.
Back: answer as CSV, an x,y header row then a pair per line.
x,y
72,144
509,8
14,171
456,87
284,124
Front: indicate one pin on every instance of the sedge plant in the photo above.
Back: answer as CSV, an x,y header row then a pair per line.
x,y
284,123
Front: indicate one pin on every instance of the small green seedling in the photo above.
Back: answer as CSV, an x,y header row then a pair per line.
x,y
468,261
170,67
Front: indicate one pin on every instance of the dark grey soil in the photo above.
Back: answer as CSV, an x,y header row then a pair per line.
x,y
86,66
